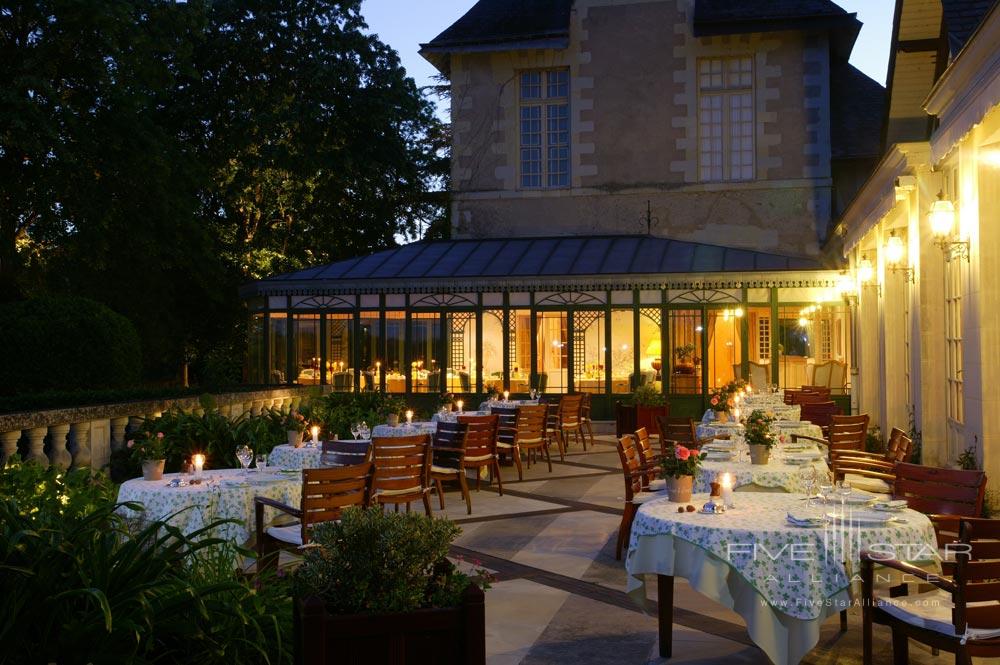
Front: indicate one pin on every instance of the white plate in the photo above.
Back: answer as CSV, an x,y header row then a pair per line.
x,y
719,457
869,517
802,457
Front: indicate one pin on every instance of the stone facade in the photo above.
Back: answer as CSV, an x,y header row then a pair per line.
x,y
634,134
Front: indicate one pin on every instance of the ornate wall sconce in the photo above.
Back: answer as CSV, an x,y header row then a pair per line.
x,y
866,274
942,220
895,253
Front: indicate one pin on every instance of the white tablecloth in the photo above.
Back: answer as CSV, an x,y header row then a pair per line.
x,y
506,404
225,494
773,474
452,416
783,580
422,427
786,427
288,457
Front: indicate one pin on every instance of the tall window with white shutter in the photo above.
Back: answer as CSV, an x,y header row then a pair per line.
x,y
725,119
544,119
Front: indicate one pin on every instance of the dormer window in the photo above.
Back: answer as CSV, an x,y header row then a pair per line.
x,y
544,116
725,119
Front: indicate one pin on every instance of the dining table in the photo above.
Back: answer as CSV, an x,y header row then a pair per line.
x,y
716,428
221,494
789,468
404,429
784,579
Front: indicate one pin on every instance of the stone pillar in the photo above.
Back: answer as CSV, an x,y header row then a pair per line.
x,y
198,411
226,411
8,445
296,403
36,445
118,426
79,446
255,407
286,404
59,454
135,423
247,407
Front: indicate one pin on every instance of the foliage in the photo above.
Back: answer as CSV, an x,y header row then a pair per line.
x,y
720,400
81,585
54,399
647,395
293,421
684,352
338,411
147,446
991,504
758,429
681,461
967,460
66,343
874,441
373,562
209,143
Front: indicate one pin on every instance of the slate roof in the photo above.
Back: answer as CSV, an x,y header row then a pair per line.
x,y
857,107
754,10
545,257
961,18
498,21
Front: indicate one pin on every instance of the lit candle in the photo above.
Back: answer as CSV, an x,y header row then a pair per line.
x,y
315,433
506,395
727,490
736,414
736,399
749,389
409,417
459,404
199,464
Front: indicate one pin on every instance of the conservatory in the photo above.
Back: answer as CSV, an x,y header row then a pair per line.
x,y
603,315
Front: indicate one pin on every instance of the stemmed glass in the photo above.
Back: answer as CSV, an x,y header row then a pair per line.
x,y
844,490
534,393
355,427
826,487
808,475
261,462
244,455
364,431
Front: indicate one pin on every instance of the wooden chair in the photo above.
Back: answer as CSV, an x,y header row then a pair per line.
x,y
506,427
525,435
571,419
874,472
634,494
447,451
325,493
820,414
648,460
960,615
845,436
481,447
402,465
944,495
679,430
586,422
822,391
553,428
345,453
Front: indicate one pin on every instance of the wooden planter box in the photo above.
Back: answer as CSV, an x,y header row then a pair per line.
x,y
630,418
450,636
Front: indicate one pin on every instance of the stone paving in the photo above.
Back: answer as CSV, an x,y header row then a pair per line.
x,y
560,595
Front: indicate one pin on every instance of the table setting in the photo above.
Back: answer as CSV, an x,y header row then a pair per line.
x,y
791,467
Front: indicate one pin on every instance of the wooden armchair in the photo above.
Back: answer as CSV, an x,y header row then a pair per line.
x,y
944,495
325,492
960,615
481,447
586,422
447,452
345,453
553,428
634,494
874,472
571,419
525,435
402,466
648,460
679,430
820,413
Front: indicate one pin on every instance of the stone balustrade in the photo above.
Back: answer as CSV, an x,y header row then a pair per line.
x,y
85,436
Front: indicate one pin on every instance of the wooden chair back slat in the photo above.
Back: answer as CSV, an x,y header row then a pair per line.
x,y
529,424
979,535
401,463
644,451
629,457
325,492
480,435
346,453
845,433
679,429
570,410
507,422
820,412
448,435
899,446
935,490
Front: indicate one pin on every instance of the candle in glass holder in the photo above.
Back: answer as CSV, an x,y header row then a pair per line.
x,y
506,395
199,464
727,490
459,404
409,417
736,414
315,433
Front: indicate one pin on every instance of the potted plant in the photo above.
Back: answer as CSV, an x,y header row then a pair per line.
x,y
377,588
678,467
151,452
641,410
685,358
759,437
294,424
719,403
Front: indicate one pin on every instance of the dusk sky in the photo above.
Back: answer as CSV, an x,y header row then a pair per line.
x,y
404,24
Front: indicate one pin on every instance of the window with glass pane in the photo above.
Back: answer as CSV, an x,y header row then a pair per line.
x,y
278,343
306,349
255,350
551,372
493,342
813,346
589,351
759,347
461,349
339,352
725,119
519,340
650,352
622,350
544,128
725,353
425,345
685,332
370,350
395,341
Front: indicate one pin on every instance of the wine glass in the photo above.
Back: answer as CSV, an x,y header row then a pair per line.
x,y
534,393
826,487
261,462
354,429
844,490
808,476
244,455
364,431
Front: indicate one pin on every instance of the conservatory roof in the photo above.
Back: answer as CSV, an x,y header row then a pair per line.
x,y
506,259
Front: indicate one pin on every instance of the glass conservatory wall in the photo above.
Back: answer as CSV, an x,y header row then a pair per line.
x,y
493,350
725,353
305,345
369,350
425,342
460,343
622,350
650,343
813,346
589,349
685,333
256,353
340,352
759,347
551,374
519,335
395,353
278,347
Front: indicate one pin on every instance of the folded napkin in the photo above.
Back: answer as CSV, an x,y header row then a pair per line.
x,y
894,505
802,518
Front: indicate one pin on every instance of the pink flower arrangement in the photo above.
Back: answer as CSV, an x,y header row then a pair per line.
x,y
682,453
683,462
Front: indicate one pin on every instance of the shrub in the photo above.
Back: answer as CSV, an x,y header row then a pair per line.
x,y
647,395
337,411
373,562
82,586
67,344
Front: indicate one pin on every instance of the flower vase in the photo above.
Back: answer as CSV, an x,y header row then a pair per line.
x,y
393,420
759,454
679,489
295,438
721,416
152,469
